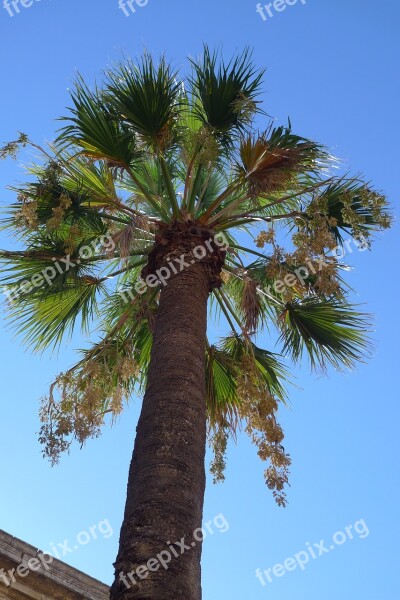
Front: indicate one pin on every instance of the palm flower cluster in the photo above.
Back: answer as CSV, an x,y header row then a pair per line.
x,y
151,156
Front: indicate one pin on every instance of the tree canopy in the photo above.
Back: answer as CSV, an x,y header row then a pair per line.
x,y
150,150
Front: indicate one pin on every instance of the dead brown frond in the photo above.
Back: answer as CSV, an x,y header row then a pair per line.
x,y
268,166
251,304
139,228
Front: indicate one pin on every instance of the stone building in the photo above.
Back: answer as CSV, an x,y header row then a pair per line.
x,y
28,574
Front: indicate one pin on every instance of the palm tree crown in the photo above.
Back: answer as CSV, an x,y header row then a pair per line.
x,y
147,168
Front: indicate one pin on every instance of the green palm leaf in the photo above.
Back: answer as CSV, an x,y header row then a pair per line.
x,y
225,93
221,384
329,331
147,98
355,209
267,364
96,130
44,319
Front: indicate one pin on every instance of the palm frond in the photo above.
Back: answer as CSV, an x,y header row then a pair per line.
x,y
329,331
221,386
147,98
225,93
225,362
269,367
271,162
95,180
43,320
354,208
95,131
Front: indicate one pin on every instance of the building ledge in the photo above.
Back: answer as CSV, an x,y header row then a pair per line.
x,y
41,577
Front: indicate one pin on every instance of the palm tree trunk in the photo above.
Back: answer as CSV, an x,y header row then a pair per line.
x,y
159,557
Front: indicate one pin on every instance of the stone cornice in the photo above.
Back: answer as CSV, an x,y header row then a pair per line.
x,y
43,578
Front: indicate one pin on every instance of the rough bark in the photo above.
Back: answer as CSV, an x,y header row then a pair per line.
x,y
167,477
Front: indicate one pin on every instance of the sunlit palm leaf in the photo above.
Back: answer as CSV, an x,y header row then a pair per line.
x,y
355,208
147,98
329,331
226,92
269,368
96,130
44,320
221,384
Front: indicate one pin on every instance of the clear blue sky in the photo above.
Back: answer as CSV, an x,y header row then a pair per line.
x,y
332,66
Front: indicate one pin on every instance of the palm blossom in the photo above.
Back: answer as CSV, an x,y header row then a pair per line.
x,y
148,168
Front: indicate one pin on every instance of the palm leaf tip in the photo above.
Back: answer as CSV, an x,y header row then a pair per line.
x,y
354,207
329,331
148,98
95,130
226,93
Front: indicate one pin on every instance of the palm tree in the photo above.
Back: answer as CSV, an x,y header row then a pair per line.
x,y
162,198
